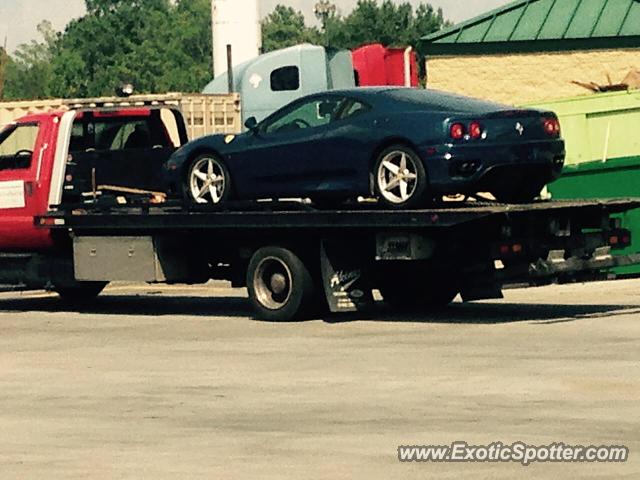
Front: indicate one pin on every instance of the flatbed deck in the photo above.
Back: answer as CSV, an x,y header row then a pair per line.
x,y
294,216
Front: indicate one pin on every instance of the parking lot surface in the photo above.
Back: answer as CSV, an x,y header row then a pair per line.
x,y
181,382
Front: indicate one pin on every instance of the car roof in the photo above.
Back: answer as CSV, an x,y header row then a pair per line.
x,y
420,98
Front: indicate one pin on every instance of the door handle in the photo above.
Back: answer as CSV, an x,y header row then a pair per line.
x,y
28,189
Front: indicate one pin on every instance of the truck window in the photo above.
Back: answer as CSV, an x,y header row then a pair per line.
x,y
123,135
120,133
16,146
285,79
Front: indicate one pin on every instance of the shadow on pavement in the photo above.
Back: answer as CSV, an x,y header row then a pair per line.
x,y
496,312
487,313
143,305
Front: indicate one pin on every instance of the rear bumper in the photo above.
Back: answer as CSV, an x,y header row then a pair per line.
x,y
473,168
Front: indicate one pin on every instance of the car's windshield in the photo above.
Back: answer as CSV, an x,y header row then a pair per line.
x,y
16,146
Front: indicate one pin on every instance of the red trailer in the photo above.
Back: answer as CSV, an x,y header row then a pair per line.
x,y
376,65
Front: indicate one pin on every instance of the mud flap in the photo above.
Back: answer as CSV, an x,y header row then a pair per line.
x,y
344,276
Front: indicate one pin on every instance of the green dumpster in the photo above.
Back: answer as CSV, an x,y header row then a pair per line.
x,y
602,133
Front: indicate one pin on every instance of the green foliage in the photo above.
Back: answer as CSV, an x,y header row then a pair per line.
x,y
155,44
28,74
285,27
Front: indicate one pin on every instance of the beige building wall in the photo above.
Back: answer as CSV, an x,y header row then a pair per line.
x,y
530,77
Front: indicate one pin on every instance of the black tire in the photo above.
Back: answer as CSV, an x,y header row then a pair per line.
x,y
428,295
281,289
522,194
80,292
188,186
418,189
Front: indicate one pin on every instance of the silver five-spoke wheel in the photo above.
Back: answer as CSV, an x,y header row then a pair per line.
x,y
208,180
399,177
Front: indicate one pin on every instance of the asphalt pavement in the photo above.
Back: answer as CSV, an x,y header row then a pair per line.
x,y
181,382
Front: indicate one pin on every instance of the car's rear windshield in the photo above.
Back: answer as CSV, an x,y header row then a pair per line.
x,y
435,99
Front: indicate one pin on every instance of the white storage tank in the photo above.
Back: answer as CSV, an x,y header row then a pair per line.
x,y
235,23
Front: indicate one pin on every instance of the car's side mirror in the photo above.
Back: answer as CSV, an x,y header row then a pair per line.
x,y
251,124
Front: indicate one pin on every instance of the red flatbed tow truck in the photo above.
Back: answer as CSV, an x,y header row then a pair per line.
x,y
71,222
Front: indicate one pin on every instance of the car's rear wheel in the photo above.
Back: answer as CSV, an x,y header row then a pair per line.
x,y
400,178
208,181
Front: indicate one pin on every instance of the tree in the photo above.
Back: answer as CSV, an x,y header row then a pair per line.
x,y
387,23
28,72
285,27
4,60
158,45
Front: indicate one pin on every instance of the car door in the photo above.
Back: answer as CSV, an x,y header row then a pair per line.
x,y
283,157
347,148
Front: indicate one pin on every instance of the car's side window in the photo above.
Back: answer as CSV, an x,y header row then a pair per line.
x,y
353,108
312,114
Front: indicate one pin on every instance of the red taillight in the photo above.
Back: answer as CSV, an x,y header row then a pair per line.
x,y
475,130
457,131
552,126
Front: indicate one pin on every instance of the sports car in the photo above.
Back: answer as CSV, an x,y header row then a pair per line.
x,y
403,146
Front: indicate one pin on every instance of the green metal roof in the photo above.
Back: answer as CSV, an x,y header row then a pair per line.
x,y
530,25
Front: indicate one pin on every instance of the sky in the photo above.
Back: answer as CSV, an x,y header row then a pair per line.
x,y
19,18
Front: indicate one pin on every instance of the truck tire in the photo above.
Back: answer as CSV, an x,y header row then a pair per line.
x,y
82,291
419,295
281,289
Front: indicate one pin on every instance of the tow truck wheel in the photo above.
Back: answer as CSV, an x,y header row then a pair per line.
x,y
416,295
81,291
280,286
208,181
400,179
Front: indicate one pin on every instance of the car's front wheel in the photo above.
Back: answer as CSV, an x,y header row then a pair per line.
x,y
400,178
208,181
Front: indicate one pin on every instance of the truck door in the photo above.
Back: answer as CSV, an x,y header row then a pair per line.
x,y
23,147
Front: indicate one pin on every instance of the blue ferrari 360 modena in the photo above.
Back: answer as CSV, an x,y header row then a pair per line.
x,y
403,146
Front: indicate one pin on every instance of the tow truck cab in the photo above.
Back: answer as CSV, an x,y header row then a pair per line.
x,y
63,156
